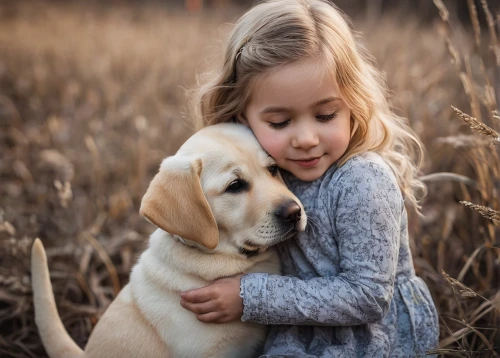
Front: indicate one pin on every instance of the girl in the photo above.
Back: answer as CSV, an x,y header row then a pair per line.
x,y
294,74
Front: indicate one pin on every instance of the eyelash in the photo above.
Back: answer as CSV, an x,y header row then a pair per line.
x,y
327,117
321,118
278,125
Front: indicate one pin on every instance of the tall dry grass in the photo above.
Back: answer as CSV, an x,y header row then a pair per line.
x,y
92,98
471,319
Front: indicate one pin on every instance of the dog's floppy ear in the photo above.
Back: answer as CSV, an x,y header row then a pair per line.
x,y
175,202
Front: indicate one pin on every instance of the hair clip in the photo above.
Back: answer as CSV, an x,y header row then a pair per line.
x,y
245,41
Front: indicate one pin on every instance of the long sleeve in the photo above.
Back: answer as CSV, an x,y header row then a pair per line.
x,y
365,207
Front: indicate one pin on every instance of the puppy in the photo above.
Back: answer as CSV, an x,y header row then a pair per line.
x,y
219,203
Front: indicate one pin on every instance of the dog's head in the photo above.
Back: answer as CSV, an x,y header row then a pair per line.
x,y
222,191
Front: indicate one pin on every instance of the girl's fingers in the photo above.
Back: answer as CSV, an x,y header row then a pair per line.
x,y
199,295
199,308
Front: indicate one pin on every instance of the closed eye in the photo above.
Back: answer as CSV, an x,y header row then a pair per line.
x,y
279,125
326,117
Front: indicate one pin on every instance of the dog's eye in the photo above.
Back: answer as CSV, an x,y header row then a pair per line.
x,y
236,186
273,169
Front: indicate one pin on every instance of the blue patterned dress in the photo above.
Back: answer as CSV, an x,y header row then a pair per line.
x,y
349,287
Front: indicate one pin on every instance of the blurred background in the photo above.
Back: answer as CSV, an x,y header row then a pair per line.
x,y
93,94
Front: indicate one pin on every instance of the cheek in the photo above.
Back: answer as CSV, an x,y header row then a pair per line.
x,y
273,146
339,138
228,210
270,140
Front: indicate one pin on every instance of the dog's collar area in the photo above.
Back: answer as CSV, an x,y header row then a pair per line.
x,y
247,252
190,244
185,242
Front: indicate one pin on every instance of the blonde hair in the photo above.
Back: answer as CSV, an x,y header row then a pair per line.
x,y
276,33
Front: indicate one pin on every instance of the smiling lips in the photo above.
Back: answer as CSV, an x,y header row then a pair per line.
x,y
307,163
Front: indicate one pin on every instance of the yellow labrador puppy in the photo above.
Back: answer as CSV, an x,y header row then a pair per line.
x,y
219,204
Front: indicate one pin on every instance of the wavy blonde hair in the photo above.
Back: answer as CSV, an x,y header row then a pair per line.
x,y
275,33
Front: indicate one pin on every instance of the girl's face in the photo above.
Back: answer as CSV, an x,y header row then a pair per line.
x,y
300,118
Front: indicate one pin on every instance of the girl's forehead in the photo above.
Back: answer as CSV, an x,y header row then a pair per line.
x,y
312,66
305,79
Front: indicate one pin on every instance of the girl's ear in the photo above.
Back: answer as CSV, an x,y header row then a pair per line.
x,y
242,119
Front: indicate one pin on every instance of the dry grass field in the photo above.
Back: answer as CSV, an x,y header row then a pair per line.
x,y
92,98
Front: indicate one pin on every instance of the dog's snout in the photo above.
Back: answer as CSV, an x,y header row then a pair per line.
x,y
289,212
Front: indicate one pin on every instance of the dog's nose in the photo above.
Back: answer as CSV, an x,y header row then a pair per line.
x,y
289,212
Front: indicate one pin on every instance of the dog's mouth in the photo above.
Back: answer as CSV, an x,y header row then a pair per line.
x,y
250,248
291,232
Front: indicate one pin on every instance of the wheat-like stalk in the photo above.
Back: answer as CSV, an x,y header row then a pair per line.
x,y
463,141
477,126
488,213
464,290
490,21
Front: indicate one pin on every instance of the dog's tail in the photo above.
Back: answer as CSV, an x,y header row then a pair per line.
x,y
55,338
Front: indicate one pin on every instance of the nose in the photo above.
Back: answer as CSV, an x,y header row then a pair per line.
x,y
305,137
289,212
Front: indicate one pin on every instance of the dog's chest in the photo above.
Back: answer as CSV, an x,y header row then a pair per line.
x,y
183,334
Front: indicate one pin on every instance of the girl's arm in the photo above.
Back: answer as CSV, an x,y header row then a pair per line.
x,y
368,206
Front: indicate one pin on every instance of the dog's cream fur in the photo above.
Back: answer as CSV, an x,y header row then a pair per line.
x,y
210,227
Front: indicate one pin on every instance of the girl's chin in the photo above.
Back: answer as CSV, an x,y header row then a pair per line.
x,y
307,174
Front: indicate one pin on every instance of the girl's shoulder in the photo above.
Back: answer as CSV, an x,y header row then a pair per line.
x,y
363,163
364,169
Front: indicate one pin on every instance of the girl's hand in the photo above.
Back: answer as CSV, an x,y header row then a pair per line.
x,y
219,302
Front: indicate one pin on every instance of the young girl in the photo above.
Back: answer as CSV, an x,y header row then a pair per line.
x,y
294,74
